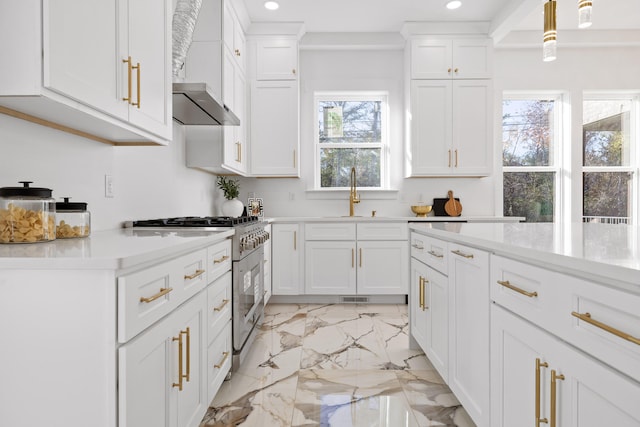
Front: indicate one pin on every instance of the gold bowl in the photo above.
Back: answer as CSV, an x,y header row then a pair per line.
x,y
421,210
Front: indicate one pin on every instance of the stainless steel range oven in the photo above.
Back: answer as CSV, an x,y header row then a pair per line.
x,y
247,255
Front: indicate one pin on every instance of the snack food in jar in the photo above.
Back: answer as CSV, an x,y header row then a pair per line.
x,y
73,220
27,214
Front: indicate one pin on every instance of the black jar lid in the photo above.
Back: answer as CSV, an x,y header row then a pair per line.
x,y
25,190
69,206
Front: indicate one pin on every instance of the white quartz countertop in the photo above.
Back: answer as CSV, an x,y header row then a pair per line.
x,y
604,252
110,249
376,218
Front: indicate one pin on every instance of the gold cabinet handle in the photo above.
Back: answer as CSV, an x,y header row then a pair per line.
x,y
456,151
539,365
462,254
360,257
435,254
295,161
295,240
455,71
137,68
449,158
163,291
587,318
194,275
294,71
415,245
221,306
225,354
421,292
448,70
188,333
508,285
237,52
353,255
238,152
554,378
128,62
219,260
423,282
180,375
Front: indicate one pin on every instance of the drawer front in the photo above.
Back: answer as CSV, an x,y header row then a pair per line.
x,y
523,289
601,321
330,231
430,251
382,231
218,259
218,360
148,295
218,305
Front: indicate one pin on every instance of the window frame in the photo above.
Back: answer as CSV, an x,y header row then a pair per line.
x,y
555,156
634,150
383,145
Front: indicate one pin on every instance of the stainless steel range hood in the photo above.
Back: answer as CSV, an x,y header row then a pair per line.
x,y
194,104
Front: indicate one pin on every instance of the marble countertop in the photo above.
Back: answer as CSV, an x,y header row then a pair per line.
x,y
608,253
110,249
376,218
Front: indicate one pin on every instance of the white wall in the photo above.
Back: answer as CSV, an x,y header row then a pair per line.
x,y
323,70
149,181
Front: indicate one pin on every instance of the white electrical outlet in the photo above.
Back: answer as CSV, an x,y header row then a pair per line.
x,y
108,186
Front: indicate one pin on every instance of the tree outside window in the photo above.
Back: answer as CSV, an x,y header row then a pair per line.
x,y
350,133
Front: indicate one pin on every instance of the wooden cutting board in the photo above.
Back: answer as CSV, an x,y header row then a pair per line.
x,y
452,207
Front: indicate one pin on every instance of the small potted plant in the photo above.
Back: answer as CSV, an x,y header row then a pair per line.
x,y
231,188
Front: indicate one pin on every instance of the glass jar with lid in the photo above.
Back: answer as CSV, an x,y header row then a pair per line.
x,y
27,214
73,220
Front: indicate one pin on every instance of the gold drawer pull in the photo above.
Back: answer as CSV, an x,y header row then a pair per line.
x,y
188,333
137,68
437,255
587,318
180,375
539,365
194,275
554,400
221,306
507,284
163,291
223,259
129,67
225,354
462,254
415,245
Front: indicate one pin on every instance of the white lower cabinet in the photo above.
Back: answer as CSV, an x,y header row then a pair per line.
x,y
285,265
428,302
268,288
161,371
536,379
330,267
469,330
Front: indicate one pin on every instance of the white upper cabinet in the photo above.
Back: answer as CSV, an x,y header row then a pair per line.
x,y
276,59
454,58
233,36
70,67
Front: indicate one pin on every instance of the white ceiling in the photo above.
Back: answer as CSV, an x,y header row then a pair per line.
x,y
389,15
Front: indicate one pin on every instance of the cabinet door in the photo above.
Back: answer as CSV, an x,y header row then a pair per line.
x,y
431,59
469,330
148,42
471,127
472,58
417,311
436,302
277,59
383,267
274,128
431,127
80,50
330,267
235,147
191,401
286,259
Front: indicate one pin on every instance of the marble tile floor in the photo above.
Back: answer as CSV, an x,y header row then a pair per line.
x,y
338,365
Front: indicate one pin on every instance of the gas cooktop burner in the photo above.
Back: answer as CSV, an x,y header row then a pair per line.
x,y
196,221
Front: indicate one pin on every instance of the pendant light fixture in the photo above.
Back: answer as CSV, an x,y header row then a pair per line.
x,y
584,13
549,38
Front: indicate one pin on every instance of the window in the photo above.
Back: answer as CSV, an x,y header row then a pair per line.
x,y
530,143
608,159
351,132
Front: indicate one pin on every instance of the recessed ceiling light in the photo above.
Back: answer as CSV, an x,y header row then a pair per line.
x,y
454,4
271,5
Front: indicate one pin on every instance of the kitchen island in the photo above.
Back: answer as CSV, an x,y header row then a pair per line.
x,y
531,323
122,328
